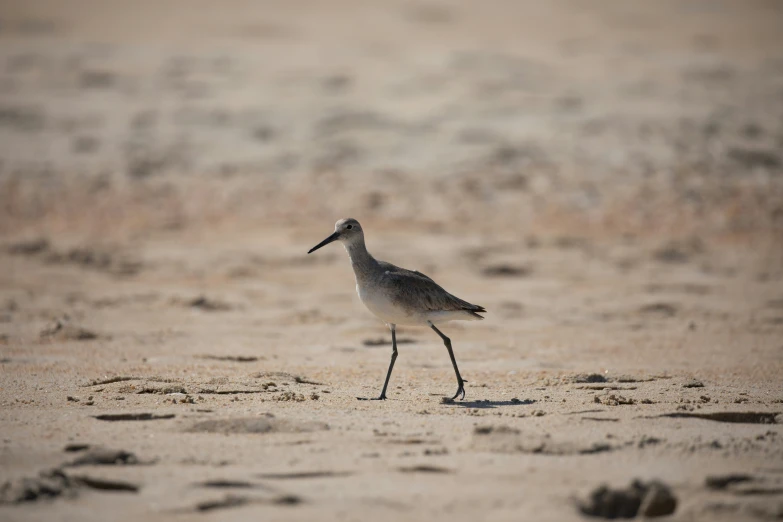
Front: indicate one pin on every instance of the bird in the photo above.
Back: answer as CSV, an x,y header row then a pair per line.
x,y
400,297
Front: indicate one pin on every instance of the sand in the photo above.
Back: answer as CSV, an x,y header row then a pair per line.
x,y
607,181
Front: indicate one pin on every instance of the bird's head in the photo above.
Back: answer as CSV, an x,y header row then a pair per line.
x,y
348,231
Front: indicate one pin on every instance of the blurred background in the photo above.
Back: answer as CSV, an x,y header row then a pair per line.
x,y
605,177
612,119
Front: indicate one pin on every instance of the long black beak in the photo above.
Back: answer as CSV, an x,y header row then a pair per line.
x,y
325,242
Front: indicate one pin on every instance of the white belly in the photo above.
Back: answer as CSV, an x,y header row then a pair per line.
x,y
383,308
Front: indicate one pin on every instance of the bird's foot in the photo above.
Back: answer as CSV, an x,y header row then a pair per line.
x,y
381,398
460,391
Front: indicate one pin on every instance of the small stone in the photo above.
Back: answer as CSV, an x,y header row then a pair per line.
x,y
589,378
693,383
658,501
652,499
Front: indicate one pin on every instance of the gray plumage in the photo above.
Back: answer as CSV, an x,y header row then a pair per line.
x,y
414,290
415,296
398,296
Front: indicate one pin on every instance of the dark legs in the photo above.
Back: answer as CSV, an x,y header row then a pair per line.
x,y
446,341
393,328
391,364
460,380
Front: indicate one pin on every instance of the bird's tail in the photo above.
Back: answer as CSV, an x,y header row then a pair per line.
x,y
475,310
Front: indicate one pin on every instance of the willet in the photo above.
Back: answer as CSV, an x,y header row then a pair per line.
x,y
400,297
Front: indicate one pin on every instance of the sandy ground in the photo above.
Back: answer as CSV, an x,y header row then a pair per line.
x,y
607,181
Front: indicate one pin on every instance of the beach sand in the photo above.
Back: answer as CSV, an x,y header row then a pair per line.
x,y
606,180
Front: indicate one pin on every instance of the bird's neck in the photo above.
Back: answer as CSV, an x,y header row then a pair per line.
x,y
361,260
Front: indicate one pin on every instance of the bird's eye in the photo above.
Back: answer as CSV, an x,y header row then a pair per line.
x,y
349,227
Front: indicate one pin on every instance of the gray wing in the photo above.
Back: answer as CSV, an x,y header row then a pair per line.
x,y
412,289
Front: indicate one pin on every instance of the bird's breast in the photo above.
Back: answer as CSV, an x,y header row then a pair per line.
x,y
381,305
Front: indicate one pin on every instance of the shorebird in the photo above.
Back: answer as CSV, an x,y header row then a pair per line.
x,y
400,297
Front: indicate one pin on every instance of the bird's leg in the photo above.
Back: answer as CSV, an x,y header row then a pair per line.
x,y
391,364
393,328
460,381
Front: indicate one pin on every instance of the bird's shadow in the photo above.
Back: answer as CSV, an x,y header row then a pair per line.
x,y
488,404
